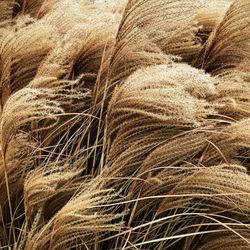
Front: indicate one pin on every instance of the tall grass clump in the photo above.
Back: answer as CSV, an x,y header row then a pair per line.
x,y
124,124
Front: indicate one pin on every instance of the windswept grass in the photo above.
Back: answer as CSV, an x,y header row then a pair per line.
x,y
124,124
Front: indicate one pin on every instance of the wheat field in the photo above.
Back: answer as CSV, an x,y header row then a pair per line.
x,y
125,124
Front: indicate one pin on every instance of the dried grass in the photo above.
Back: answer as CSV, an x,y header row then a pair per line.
x,y
124,124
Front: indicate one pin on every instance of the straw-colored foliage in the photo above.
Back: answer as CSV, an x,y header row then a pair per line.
x,y
124,124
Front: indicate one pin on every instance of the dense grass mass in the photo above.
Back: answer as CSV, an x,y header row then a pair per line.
x,y
125,124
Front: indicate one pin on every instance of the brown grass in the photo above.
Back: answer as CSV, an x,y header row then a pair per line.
x,y
124,124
